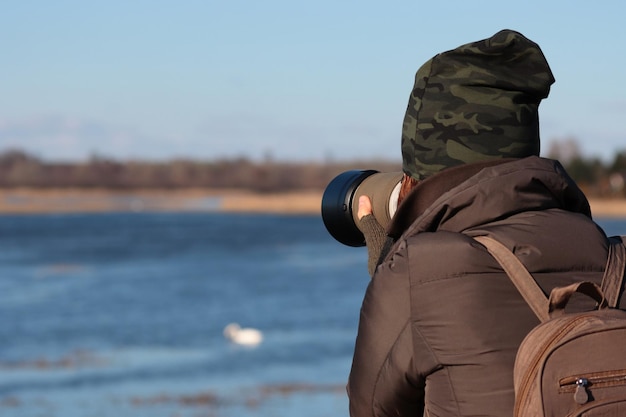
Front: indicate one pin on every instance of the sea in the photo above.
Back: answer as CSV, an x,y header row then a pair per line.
x,y
122,314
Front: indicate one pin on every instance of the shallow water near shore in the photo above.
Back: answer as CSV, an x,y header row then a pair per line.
x,y
122,314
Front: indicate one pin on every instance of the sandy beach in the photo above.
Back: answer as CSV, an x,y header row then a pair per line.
x,y
24,201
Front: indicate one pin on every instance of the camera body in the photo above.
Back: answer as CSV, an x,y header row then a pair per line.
x,y
340,202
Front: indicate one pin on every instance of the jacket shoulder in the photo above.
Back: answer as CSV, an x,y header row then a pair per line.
x,y
443,254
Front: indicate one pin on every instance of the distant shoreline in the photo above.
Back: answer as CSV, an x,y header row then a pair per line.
x,y
74,200
25,201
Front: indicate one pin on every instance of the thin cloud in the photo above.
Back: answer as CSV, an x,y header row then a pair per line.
x,y
67,138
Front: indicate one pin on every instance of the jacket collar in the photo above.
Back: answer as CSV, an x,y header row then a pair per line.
x,y
474,194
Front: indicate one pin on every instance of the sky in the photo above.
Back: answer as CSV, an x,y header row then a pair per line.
x,y
280,79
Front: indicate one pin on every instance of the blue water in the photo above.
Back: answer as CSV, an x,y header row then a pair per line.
x,y
122,315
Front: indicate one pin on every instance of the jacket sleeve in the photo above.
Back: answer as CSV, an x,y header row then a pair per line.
x,y
383,381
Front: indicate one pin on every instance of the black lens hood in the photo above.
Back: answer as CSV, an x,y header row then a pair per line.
x,y
337,203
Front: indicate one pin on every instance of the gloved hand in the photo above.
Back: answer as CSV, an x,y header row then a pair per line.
x,y
375,235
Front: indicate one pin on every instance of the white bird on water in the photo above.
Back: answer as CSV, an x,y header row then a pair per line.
x,y
242,336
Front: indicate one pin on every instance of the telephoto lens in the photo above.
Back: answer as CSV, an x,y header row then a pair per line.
x,y
340,202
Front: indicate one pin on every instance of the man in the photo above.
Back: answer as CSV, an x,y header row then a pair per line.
x,y
441,322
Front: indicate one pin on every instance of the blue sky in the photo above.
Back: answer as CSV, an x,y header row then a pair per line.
x,y
293,80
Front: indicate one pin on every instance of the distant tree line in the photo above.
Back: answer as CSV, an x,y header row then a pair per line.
x,y
20,169
596,177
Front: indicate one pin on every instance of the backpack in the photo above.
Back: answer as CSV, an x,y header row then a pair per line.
x,y
571,364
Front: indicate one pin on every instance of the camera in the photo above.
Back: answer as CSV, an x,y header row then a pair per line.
x,y
340,202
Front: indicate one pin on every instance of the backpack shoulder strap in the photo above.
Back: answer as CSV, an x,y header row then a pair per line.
x,y
517,272
612,280
614,271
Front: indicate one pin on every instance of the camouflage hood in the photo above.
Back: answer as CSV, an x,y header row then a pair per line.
x,y
475,103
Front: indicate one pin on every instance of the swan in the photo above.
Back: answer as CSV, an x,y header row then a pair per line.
x,y
245,336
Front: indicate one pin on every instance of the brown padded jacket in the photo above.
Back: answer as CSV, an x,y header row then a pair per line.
x,y
440,322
